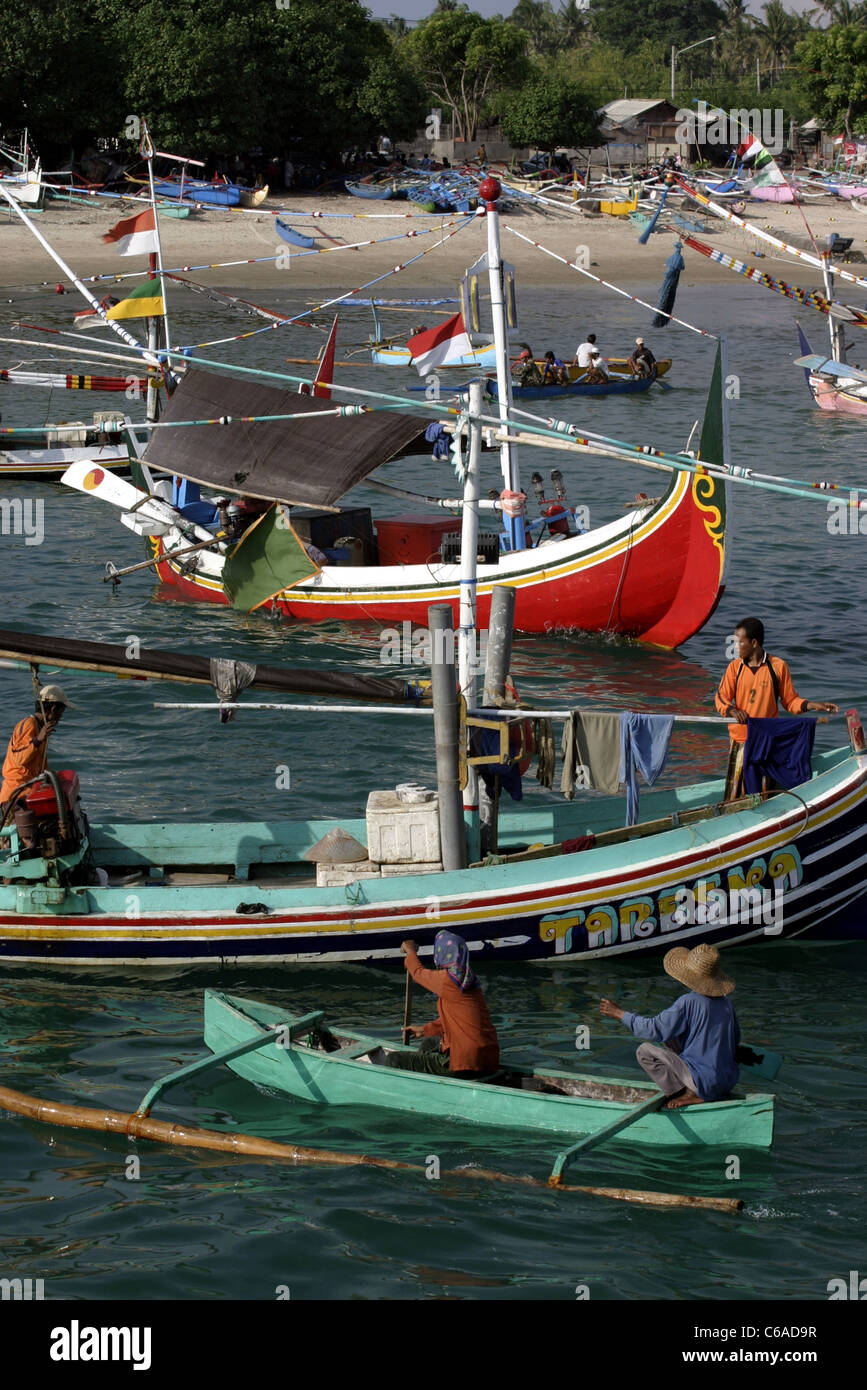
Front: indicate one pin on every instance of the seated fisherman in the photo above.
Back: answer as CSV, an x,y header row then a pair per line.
x,y
597,374
692,1047
28,748
462,1041
641,360
554,372
524,367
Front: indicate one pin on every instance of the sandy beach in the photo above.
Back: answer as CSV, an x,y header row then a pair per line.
x,y
613,249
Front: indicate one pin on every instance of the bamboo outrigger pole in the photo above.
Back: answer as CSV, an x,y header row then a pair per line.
x,y
251,1146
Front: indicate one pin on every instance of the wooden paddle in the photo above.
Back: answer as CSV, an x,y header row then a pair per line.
x,y
599,1136
766,1063
407,1008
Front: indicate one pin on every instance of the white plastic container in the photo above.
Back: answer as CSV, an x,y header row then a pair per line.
x,y
401,870
338,875
400,832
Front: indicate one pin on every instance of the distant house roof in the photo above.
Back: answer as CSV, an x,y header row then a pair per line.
x,y
813,124
619,112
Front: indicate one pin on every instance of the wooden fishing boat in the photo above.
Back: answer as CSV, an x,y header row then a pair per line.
x,y
379,191
834,386
178,892
343,1067
617,366
51,464
224,195
253,197
484,357
287,233
617,386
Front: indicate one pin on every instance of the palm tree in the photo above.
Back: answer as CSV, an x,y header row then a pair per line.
x,y
777,34
571,23
536,18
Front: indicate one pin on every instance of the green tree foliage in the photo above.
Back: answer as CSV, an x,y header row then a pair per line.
x,y
834,74
679,22
550,111
462,57
58,72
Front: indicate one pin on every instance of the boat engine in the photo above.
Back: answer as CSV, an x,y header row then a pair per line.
x,y
51,817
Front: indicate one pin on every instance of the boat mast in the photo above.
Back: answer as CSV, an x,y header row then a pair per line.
x,y
834,329
467,657
489,192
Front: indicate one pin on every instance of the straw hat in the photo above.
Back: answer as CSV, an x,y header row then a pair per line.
x,y
336,847
54,695
698,969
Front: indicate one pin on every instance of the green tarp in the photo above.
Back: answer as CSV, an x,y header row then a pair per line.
x,y
270,556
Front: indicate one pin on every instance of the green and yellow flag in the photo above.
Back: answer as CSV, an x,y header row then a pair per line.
x,y
268,558
145,302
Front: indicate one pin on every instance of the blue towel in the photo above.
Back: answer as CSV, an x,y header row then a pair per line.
x,y
435,434
779,749
644,740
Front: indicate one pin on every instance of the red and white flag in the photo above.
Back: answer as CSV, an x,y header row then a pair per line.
x,y
438,347
134,236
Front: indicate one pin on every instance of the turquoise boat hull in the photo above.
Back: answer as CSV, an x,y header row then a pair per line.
x,y
569,1104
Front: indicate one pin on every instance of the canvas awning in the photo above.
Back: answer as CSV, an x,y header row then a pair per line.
x,y
307,463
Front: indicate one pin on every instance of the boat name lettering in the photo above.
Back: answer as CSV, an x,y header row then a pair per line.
x,y
752,894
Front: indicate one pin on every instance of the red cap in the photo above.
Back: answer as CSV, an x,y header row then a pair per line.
x,y
59,289
490,190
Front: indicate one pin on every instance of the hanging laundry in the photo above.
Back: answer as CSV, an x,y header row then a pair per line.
x,y
485,744
591,752
435,434
543,736
779,749
644,740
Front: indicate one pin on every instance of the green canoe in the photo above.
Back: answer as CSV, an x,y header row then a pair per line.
x,y
347,1068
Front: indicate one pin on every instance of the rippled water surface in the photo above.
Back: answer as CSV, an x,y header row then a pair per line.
x,y
206,1226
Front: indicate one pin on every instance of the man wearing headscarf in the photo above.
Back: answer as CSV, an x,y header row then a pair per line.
x,y
462,1040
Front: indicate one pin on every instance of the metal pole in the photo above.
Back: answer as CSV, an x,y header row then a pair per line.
x,y
673,62
467,634
445,702
497,663
833,326
508,452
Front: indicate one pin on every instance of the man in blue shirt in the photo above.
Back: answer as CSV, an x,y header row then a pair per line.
x,y
691,1048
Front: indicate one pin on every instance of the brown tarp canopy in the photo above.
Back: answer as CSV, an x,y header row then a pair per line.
x,y
310,463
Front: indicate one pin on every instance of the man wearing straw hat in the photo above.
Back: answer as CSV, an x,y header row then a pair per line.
x,y
28,748
692,1046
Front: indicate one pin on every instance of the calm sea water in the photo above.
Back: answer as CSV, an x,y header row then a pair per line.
x,y
193,1226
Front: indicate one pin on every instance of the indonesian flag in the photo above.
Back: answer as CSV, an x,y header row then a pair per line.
x,y
438,347
134,236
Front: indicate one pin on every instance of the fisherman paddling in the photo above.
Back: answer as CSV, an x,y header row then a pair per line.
x,y
752,687
462,1041
28,749
691,1048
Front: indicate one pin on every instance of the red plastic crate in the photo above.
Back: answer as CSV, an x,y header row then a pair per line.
x,y
412,539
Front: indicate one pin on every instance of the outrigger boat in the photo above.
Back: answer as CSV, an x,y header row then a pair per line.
x,y
834,385
618,386
181,893
299,1056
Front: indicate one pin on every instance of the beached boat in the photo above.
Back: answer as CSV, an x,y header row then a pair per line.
x,y
287,233
177,892
380,191
342,1067
224,195
253,197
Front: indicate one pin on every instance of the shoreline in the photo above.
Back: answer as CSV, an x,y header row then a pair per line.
x,y
613,250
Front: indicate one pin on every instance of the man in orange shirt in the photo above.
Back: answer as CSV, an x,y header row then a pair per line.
x,y
468,1045
752,687
28,746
